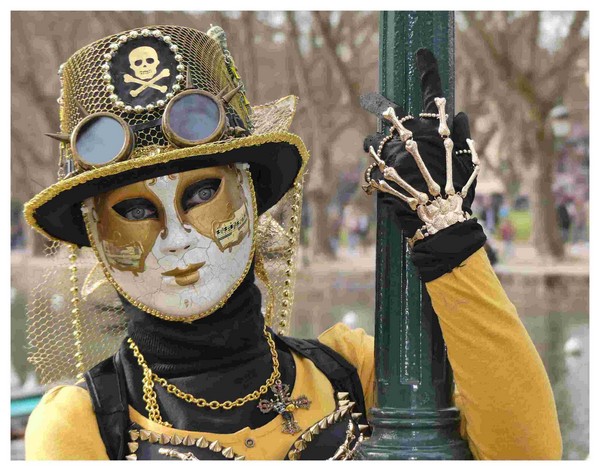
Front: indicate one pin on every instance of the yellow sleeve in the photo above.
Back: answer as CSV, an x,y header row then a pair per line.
x,y
506,402
357,348
63,427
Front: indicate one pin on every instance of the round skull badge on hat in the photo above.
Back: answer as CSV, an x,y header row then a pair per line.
x,y
142,70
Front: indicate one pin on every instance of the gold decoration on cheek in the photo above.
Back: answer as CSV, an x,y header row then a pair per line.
x,y
233,231
224,219
124,258
126,244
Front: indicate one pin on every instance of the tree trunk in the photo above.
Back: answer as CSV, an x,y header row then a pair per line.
x,y
545,231
320,225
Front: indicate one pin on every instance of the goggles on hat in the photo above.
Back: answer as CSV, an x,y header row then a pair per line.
x,y
191,118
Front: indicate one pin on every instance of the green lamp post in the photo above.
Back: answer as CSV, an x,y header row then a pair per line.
x,y
414,417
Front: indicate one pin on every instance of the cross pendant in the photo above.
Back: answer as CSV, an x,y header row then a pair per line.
x,y
284,405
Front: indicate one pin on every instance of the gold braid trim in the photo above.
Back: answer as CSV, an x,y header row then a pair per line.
x,y
205,149
261,272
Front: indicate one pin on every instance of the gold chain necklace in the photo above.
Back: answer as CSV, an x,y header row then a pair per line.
x,y
150,378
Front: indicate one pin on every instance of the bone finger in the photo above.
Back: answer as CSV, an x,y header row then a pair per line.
x,y
390,115
391,174
443,129
380,163
472,178
474,156
434,188
381,185
449,145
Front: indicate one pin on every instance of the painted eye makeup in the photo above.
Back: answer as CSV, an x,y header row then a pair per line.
x,y
136,209
199,193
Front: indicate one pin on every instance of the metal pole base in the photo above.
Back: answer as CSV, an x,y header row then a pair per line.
x,y
405,434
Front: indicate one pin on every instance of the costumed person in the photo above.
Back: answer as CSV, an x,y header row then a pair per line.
x,y
184,192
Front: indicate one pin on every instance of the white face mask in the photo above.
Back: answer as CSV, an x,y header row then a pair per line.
x,y
176,246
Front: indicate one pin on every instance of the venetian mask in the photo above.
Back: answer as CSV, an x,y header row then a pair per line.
x,y
176,246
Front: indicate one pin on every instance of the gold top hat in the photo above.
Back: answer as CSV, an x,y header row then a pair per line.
x,y
126,85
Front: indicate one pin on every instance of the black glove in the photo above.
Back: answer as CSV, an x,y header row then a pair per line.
x,y
434,216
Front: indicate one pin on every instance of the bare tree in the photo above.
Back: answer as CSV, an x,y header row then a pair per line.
x,y
512,81
329,87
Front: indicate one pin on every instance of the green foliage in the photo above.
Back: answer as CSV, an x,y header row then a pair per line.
x,y
522,222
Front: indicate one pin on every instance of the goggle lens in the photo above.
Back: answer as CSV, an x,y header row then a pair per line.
x,y
100,140
192,118
195,118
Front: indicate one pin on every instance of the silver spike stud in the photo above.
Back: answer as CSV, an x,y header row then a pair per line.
x,y
215,446
449,145
228,452
413,149
133,446
363,428
59,136
390,115
443,128
202,442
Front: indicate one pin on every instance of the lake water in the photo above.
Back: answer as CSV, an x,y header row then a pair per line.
x,y
556,317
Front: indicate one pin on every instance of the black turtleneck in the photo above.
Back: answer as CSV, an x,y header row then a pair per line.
x,y
220,357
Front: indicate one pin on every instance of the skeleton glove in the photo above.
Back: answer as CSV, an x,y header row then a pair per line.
x,y
426,170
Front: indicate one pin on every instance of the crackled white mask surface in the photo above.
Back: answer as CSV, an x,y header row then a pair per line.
x,y
176,246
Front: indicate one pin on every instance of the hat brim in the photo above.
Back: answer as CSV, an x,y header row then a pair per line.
x,y
276,160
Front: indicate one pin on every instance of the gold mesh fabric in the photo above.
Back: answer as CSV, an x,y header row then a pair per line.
x,y
53,336
50,322
83,85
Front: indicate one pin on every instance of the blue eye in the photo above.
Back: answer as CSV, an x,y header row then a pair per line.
x,y
137,214
136,209
199,193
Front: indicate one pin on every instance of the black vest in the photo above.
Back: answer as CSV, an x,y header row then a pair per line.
x,y
106,385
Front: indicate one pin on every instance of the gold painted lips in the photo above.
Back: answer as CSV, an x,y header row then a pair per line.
x,y
185,276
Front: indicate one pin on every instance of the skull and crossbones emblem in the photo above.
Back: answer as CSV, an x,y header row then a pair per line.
x,y
144,62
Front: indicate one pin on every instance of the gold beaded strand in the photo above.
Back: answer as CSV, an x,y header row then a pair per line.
x,y
75,310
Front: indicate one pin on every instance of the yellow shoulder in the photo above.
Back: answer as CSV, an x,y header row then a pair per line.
x,y
63,427
358,348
